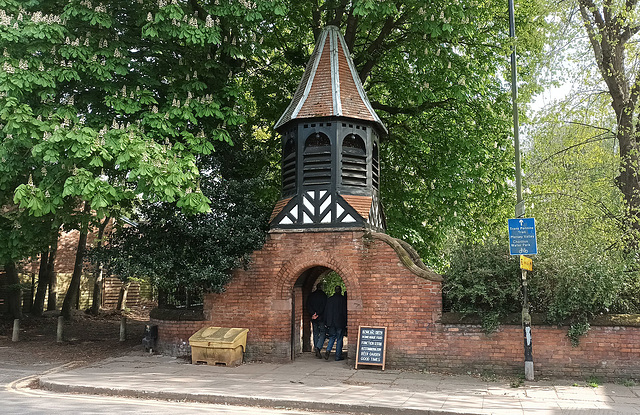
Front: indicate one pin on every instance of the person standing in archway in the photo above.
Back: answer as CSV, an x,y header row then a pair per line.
x,y
336,320
316,303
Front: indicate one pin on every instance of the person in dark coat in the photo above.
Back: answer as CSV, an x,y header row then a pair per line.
x,y
335,317
316,303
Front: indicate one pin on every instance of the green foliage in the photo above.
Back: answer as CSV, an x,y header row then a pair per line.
x,y
96,117
593,381
572,167
483,279
619,73
628,301
584,267
331,281
198,252
433,72
23,235
573,163
13,288
574,288
576,330
115,103
568,287
516,383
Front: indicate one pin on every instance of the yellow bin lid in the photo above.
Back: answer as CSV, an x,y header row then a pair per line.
x,y
221,337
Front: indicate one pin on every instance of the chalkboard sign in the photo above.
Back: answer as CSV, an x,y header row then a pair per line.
x,y
372,346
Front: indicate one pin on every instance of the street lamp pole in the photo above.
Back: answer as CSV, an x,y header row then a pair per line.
x,y
516,127
519,210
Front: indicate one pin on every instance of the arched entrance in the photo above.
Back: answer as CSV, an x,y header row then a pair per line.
x,y
269,297
301,332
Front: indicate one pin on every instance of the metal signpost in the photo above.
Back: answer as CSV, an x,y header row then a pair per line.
x,y
522,241
522,236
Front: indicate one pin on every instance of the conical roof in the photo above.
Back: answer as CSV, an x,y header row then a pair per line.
x,y
330,85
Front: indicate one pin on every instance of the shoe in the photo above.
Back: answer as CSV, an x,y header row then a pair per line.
x,y
318,355
339,358
326,356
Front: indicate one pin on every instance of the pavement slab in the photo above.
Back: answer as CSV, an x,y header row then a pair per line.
x,y
315,384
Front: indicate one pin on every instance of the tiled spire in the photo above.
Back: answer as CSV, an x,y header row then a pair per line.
x,y
330,85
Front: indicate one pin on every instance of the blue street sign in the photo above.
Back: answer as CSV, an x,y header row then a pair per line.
x,y
522,236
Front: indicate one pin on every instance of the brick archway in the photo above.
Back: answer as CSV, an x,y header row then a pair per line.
x,y
289,287
294,268
268,297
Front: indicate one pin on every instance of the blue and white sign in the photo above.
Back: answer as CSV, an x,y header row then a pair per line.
x,y
522,236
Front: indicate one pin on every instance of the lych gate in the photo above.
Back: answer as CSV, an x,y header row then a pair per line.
x,y
329,218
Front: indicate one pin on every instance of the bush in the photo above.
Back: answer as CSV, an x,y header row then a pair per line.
x,y
570,287
628,301
573,288
483,279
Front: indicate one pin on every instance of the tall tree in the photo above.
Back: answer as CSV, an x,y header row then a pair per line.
x,y
108,104
583,270
112,102
20,236
571,167
612,29
52,280
38,303
98,273
14,298
72,297
194,253
433,72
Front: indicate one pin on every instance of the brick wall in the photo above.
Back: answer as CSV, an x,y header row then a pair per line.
x,y
65,255
608,352
173,336
383,292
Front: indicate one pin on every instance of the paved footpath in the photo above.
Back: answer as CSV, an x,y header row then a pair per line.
x,y
316,384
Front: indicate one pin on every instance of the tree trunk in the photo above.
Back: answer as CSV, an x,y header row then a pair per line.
x,y
162,297
43,281
73,292
28,306
14,293
608,34
122,297
52,302
97,285
627,180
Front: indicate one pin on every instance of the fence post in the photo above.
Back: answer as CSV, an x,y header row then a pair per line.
x,y
59,334
123,329
16,330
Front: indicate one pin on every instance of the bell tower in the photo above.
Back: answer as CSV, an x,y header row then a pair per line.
x,y
328,219
330,146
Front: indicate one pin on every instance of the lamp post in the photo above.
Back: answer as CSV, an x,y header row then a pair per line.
x,y
514,98
519,209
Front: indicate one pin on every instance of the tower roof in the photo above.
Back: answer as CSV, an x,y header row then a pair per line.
x,y
330,85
